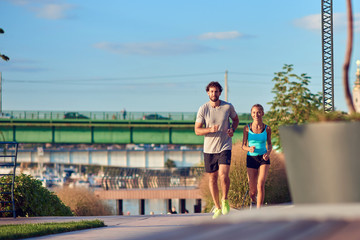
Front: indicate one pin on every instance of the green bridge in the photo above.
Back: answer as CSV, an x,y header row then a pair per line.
x,y
102,127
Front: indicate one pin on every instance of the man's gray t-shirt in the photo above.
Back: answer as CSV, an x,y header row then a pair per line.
x,y
218,141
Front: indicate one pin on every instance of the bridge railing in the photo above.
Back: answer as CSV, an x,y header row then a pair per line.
x,y
105,116
59,115
141,178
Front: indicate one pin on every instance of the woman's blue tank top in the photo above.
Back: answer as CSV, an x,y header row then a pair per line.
x,y
259,141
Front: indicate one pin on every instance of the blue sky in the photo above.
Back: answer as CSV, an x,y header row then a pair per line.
x,y
76,55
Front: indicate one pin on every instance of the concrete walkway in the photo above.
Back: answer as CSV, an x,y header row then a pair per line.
x,y
275,222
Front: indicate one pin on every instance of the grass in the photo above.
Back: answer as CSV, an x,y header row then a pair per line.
x,y
20,231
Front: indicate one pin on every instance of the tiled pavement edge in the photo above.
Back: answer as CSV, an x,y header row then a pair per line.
x,y
275,222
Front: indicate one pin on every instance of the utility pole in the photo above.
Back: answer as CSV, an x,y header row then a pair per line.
x,y
226,85
5,58
327,55
0,92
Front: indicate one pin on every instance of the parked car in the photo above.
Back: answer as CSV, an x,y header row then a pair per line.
x,y
5,115
75,115
155,117
82,183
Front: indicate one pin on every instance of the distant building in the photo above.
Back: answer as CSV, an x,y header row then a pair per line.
x,y
356,89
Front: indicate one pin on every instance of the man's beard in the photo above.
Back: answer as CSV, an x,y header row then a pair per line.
x,y
214,99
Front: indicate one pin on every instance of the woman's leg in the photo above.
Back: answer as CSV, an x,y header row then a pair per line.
x,y
253,179
263,171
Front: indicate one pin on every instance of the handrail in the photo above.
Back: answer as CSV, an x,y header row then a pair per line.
x,y
105,116
140,178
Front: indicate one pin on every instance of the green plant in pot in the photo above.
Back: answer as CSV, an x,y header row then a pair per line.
x,y
322,158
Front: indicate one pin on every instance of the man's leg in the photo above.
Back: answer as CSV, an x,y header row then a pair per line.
x,y
224,180
225,185
213,186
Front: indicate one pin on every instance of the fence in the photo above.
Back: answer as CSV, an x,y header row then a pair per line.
x,y
129,116
129,178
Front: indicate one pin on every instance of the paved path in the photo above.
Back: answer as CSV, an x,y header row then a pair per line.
x,y
275,222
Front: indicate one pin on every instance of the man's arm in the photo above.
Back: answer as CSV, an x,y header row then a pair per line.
x,y
235,123
199,130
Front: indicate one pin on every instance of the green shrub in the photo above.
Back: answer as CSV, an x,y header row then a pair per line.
x,y
238,196
83,202
32,199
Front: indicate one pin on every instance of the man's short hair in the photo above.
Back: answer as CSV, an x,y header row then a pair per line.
x,y
214,84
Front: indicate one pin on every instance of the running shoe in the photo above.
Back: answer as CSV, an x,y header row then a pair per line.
x,y
217,213
225,207
252,205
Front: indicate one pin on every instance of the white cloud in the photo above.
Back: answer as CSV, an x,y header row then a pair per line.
x,y
152,48
19,2
53,11
357,22
313,22
47,9
220,35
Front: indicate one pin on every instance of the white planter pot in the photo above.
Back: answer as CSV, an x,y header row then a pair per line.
x,y
323,161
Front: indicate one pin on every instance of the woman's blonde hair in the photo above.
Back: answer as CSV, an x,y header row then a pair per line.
x,y
258,106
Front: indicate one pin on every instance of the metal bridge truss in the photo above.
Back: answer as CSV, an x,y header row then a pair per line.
x,y
327,47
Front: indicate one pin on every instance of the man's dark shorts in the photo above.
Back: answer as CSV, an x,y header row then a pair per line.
x,y
212,160
255,161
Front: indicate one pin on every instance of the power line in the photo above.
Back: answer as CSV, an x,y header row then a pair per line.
x,y
120,78
132,81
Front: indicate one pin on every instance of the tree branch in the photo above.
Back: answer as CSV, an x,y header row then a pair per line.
x,y
348,51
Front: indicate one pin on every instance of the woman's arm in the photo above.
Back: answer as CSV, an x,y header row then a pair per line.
x,y
245,140
269,144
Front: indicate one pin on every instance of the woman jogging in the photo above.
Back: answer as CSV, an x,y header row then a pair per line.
x,y
257,141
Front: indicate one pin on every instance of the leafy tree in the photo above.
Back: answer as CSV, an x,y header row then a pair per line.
x,y
32,199
293,102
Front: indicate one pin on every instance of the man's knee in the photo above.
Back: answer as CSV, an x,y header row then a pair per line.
x,y
223,175
213,177
224,179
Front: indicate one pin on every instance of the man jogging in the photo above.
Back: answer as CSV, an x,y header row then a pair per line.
x,y
213,122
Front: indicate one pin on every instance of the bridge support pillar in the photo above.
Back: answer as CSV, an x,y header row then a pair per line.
x,y
197,207
119,207
169,205
182,206
142,207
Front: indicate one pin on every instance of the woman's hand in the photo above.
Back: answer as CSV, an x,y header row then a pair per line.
x,y
252,149
266,156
